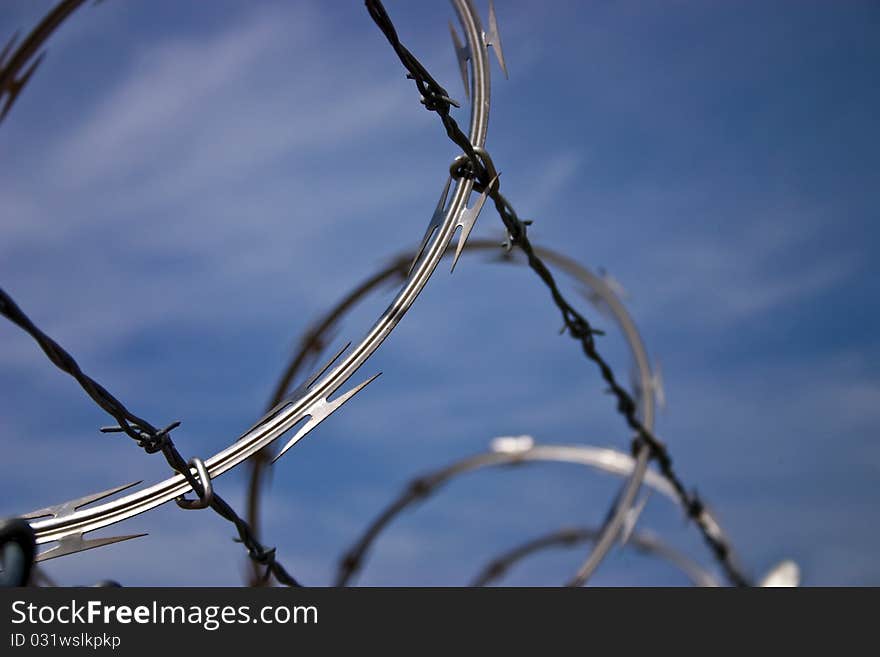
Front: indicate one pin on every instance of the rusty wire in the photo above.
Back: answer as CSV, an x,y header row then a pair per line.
x,y
478,166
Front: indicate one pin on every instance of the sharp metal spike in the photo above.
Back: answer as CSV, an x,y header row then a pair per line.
x,y
467,219
317,374
657,384
615,286
635,383
632,517
67,508
436,221
7,49
493,38
462,54
77,543
320,412
297,392
595,299
784,574
16,86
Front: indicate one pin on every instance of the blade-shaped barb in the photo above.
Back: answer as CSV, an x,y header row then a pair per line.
x,y
67,508
784,574
15,86
297,392
657,385
467,219
462,54
435,223
632,518
320,412
7,49
493,38
76,543
614,285
596,300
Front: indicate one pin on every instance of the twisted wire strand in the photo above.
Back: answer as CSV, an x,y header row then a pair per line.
x,y
436,99
318,335
315,339
314,401
146,435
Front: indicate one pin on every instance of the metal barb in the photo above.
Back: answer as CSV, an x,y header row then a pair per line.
x,y
657,386
76,543
68,508
468,218
320,412
785,574
632,518
462,54
615,285
300,390
436,222
493,38
15,86
7,49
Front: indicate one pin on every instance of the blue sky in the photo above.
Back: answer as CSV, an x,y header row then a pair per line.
x,y
186,188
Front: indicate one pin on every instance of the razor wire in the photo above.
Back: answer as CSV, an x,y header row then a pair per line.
x,y
13,77
475,164
152,440
504,452
595,289
310,404
304,408
642,541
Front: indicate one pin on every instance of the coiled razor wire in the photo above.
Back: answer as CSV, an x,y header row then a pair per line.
x,y
303,409
643,541
311,403
475,164
504,452
318,336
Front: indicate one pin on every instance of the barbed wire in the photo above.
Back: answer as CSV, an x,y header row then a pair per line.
x,y
306,408
476,166
643,541
595,289
479,167
149,438
10,84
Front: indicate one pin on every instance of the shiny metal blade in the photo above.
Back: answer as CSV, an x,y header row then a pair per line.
x,y
783,574
77,543
467,219
493,38
16,86
436,222
320,412
67,508
462,54
632,518
7,49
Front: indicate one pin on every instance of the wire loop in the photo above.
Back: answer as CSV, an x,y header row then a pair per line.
x,y
206,494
